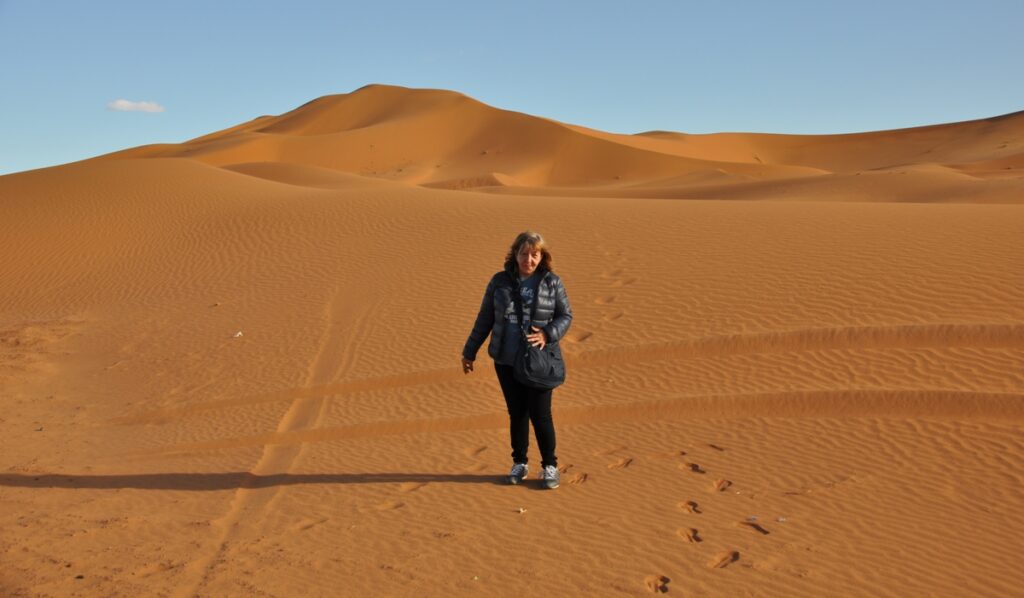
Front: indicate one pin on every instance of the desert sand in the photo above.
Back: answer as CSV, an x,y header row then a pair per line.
x,y
231,366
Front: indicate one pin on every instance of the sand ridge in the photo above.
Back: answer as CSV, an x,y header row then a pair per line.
x,y
229,366
444,139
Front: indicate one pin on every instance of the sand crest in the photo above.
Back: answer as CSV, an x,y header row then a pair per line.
x,y
794,368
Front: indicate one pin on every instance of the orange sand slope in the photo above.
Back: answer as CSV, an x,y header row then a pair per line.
x,y
444,139
820,393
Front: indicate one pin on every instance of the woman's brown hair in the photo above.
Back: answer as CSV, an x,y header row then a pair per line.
x,y
535,241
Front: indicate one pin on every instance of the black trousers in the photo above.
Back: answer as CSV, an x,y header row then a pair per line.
x,y
527,405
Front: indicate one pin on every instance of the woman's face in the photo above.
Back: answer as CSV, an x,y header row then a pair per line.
x,y
528,258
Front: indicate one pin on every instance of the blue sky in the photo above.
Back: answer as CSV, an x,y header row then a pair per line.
x,y
695,67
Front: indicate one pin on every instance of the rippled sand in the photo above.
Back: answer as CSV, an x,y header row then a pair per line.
x,y
230,367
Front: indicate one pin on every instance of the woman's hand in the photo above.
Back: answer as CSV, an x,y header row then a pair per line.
x,y
537,339
467,365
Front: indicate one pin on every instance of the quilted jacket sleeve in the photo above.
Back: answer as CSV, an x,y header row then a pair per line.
x,y
482,326
562,318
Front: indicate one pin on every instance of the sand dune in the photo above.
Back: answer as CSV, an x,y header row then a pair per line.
x,y
812,388
444,139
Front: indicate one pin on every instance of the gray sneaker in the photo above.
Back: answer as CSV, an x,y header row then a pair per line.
x,y
518,473
551,477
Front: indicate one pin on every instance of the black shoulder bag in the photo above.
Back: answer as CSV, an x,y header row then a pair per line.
x,y
535,367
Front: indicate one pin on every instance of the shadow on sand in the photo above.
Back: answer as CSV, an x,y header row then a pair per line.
x,y
230,480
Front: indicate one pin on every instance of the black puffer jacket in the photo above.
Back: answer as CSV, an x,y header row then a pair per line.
x,y
552,312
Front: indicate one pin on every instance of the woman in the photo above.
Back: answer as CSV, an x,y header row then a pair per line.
x,y
527,272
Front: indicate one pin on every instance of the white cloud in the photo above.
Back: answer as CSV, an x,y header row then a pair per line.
x,y
122,105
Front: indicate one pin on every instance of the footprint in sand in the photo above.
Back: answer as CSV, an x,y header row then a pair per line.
x,y
612,316
716,447
695,468
621,463
622,283
474,451
579,336
690,507
411,486
607,299
390,505
690,534
657,583
754,526
724,559
306,524
666,455
150,569
722,485
578,478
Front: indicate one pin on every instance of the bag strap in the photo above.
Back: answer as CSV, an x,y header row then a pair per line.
x,y
517,300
